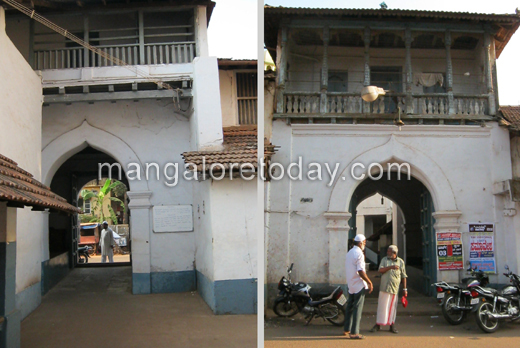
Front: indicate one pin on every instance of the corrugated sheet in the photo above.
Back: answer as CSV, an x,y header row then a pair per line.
x,y
19,186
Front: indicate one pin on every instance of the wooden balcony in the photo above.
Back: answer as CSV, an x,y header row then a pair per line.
x,y
66,58
350,105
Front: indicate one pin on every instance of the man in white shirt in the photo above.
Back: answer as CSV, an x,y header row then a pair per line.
x,y
107,243
358,283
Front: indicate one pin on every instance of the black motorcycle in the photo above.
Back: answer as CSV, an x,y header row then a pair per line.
x,y
494,305
456,299
84,254
327,303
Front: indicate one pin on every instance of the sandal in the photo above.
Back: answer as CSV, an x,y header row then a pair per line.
x,y
375,328
357,337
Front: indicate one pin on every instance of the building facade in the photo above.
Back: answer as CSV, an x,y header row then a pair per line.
x,y
438,120
137,119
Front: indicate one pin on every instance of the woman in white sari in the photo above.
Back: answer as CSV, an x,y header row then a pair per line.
x,y
393,273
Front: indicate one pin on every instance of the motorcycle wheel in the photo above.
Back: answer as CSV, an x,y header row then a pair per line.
x,y
454,317
83,259
483,321
284,309
339,318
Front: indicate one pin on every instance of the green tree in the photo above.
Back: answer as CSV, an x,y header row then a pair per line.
x,y
97,200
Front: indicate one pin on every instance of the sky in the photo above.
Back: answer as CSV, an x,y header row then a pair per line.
x,y
233,29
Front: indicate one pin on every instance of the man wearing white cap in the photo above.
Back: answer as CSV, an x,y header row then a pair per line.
x,y
358,283
107,243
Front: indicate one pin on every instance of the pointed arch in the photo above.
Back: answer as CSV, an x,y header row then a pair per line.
x,y
422,167
72,142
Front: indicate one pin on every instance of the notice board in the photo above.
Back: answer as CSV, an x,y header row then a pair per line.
x,y
173,218
449,251
482,246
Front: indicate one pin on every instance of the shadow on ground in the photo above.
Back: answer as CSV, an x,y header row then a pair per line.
x,y
95,307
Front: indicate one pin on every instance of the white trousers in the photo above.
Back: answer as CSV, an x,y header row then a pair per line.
x,y
109,253
386,308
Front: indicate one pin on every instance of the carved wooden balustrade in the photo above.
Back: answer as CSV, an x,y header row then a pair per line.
x,y
430,105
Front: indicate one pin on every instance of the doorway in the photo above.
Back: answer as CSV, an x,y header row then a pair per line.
x,y
410,203
67,233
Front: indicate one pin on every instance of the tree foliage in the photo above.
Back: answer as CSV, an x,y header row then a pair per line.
x,y
97,200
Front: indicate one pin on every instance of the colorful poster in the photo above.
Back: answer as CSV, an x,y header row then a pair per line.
x,y
449,251
482,247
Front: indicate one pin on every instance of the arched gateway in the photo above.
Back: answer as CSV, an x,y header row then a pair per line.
x,y
66,145
343,200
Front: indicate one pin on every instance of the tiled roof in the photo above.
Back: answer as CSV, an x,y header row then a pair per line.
x,y
506,24
510,116
18,187
240,146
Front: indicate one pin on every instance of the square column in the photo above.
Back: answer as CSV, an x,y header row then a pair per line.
x,y
488,69
446,221
338,228
324,72
281,64
140,229
206,120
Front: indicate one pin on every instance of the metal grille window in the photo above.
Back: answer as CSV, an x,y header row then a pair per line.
x,y
247,97
86,207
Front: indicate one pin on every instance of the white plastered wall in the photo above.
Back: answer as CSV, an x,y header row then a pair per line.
x,y
20,123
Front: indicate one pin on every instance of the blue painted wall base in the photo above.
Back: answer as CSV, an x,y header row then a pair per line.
x,y
163,282
53,271
234,296
29,299
141,283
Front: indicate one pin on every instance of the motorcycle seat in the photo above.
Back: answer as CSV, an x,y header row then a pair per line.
x,y
321,292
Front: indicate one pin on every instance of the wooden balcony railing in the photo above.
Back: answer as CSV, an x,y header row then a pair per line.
x,y
66,58
430,105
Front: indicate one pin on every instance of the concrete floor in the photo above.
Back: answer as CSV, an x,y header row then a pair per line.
x,y
117,258
94,307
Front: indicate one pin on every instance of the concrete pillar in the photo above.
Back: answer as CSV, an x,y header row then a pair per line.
x,y
206,121
446,221
201,31
140,231
338,228
10,327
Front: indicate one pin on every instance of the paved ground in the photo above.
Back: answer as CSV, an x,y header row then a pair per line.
x,y
93,307
117,258
421,331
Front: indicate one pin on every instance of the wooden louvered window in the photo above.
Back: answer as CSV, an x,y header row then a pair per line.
x,y
247,97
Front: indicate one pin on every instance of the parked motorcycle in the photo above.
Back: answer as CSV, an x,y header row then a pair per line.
x,y
327,303
494,305
84,254
456,299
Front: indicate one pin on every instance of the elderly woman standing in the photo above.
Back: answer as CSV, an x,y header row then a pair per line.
x,y
393,273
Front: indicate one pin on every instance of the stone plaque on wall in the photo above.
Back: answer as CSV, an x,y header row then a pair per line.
x,y
173,218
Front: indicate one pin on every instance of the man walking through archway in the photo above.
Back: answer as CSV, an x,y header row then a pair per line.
x,y
107,243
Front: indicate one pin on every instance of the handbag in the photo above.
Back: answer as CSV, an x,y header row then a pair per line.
x,y
404,301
